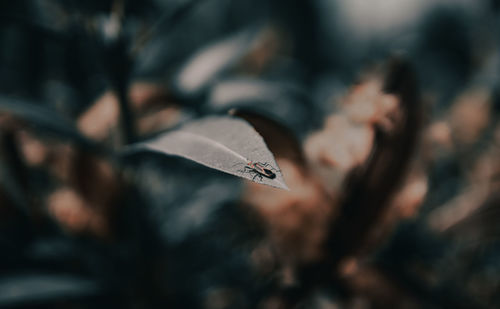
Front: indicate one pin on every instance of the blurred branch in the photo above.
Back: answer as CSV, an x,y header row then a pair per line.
x,y
166,21
120,62
15,172
119,66
370,188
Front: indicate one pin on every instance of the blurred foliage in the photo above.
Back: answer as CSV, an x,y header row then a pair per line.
x,y
383,117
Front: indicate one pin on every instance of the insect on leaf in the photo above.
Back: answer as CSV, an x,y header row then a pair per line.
x,y
224,143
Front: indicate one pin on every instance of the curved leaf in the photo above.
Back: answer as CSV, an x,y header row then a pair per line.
x,y
43,287
212,60
46,119
223,143
282,102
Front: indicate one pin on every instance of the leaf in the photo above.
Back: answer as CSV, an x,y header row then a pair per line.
x,y
285,103
48,120
43,287
210,62
183,201
223,143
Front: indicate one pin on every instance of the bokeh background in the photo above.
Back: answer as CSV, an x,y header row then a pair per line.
x,y
383,116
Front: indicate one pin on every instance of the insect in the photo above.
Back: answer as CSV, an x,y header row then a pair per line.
x,y
259,170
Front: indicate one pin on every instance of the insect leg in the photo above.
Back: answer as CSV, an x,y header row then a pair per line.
x,y
254,176
270,167
243,170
